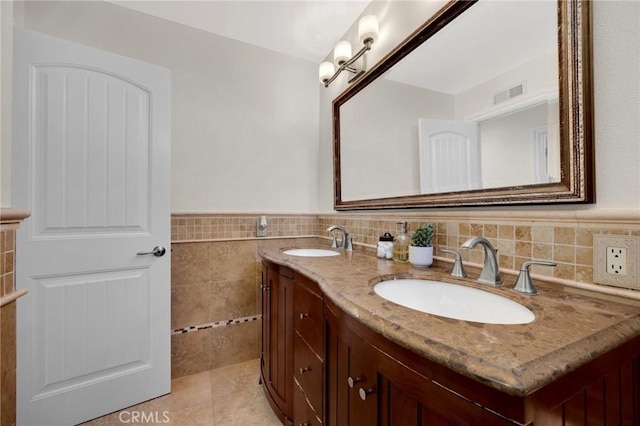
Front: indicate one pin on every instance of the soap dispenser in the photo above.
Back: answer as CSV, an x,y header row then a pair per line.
x,y
401,245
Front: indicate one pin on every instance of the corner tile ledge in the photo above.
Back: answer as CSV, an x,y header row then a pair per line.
x,y
9,215
8,298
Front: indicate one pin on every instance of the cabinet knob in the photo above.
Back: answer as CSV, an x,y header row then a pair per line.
x,y
264,287
353,380
304,370
364,393
305,424
303,315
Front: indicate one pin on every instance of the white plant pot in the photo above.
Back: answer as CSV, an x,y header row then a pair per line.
x,y
420,256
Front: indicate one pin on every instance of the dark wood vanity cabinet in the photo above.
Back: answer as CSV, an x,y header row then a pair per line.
x,y
373,381
276,363
367,385
322,366
292,362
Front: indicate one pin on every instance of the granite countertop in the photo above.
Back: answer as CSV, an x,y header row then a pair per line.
x,y
569,329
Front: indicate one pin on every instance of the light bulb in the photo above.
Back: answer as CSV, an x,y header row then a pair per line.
x,y
342,52
368,28
326,71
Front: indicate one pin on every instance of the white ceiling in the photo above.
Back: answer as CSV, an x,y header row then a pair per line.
x,y
305,29
503,34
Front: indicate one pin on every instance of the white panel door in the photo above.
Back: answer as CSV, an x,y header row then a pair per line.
x,y
91,158
449,156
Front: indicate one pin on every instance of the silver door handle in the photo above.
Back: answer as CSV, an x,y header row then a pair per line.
x,y
157,251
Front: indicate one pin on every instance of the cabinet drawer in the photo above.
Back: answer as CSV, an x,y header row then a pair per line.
x,y
307,317
303,414
308,372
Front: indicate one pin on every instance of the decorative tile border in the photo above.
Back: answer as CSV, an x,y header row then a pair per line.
x,y
216,324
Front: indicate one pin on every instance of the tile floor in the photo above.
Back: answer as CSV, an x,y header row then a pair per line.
x,y
227,396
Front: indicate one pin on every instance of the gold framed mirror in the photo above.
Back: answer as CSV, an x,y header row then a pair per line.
x,y
487,103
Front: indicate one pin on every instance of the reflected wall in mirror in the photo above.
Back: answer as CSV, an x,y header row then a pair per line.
x,y
488,102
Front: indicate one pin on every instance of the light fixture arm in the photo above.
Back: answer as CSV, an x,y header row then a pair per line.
x,y
347,64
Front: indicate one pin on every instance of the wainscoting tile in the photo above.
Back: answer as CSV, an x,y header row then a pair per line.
x,y
233,261
190,353
191,304
235,343
190,264
232,299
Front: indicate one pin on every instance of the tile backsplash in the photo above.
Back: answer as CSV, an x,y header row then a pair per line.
x,y
518,238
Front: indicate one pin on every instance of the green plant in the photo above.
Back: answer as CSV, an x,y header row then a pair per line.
x,y
422,236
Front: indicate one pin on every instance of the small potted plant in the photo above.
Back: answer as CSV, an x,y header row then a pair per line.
x,y
421,251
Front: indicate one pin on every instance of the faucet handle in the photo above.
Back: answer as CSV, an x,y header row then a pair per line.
x,y
349,243
524,283
458,267
334,241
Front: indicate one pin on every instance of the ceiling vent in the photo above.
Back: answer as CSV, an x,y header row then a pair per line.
x,y
510,93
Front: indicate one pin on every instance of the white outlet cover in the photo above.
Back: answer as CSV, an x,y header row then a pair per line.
x,y
601,259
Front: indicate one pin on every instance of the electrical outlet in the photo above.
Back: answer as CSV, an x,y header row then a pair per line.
x,y
616,260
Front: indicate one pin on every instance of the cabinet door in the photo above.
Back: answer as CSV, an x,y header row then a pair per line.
x,y
277,340
352,381
265,359
368,386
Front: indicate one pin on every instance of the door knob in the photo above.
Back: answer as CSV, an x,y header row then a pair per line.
x,y
157,251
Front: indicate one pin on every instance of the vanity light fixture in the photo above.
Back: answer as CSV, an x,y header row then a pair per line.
x,y
368,33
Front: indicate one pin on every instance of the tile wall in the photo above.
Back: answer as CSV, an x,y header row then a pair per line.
x,y
216,269
215,286
7,253
7,326
9,222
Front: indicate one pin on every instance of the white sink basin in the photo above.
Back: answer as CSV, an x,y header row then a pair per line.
x,y
454,301
311,252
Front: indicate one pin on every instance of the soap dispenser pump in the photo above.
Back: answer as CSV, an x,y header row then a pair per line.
x,y
401,245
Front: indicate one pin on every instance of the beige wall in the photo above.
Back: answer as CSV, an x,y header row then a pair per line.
x,y
217,125
245,119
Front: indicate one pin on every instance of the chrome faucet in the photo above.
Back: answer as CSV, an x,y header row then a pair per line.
x,y
490,272
345,242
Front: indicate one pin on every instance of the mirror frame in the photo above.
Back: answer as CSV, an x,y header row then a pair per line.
x,y
576,120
